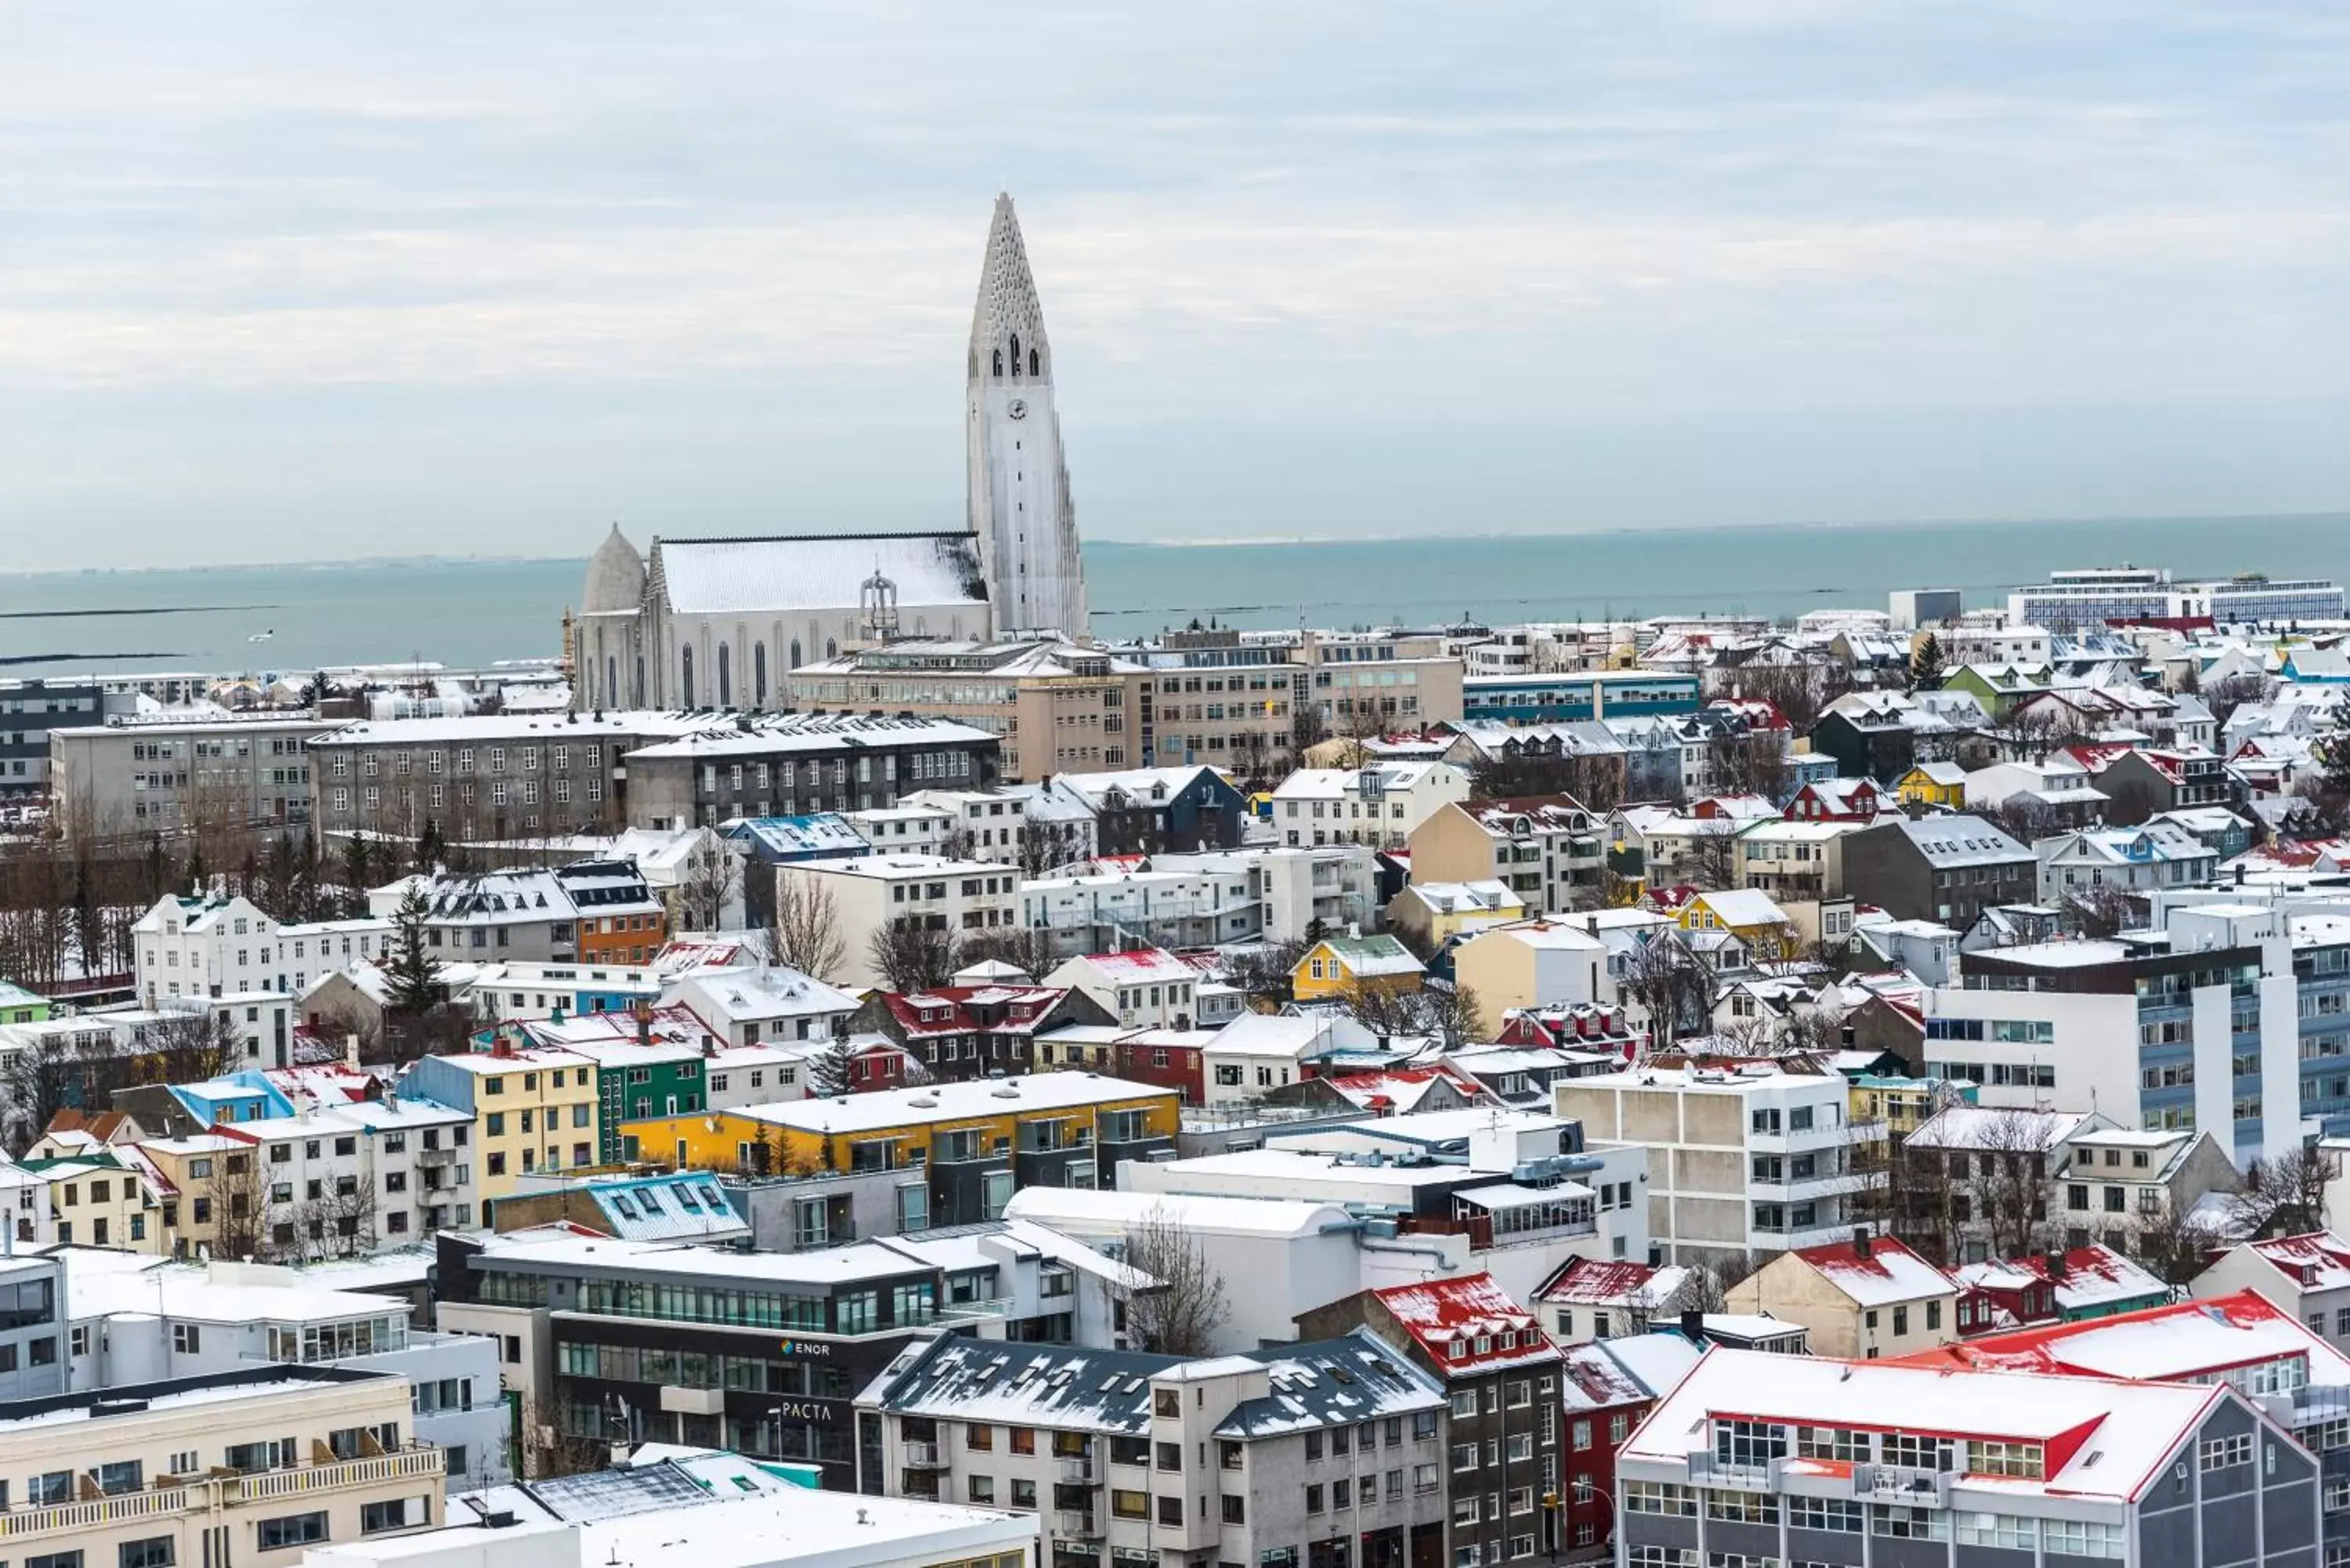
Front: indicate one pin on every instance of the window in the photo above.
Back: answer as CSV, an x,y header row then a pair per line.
x,y
292,1530
1659,1497
393,1513
1170,1511
1126,1504
1825,1513
1903,1522
155,1552
982,1490
1742,1507
2218,1453
1314,1498
187,1338
1235,1509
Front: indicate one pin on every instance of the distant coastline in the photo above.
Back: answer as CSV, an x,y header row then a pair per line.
x,y
1481,536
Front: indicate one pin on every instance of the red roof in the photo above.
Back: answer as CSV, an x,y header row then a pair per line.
x,y
1595,1281
2044,1349
945,1009
1450,1319
1595,1382
1889,1271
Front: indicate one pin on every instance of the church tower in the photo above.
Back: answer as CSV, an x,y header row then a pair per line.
x,y
1019,483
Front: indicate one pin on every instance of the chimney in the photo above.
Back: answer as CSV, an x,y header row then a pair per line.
x,y
2057,1267
644,1024
1693,1326
1860,1240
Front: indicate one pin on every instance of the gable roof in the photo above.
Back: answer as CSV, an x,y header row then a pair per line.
x,y
1450,1318
1888,1273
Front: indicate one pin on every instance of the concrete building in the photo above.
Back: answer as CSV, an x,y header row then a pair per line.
x,y
493,775
1501,1376
1741,1160
32,1327
1860,1299
31,708
139,775
1058,708
1548,849
1377,681
135,1320
790,765
871,894
215,944
1380,805
1269,1455
2199,1028
1535,964
1963,1467
1215,900
531,1110
1221,702
2307,1277
1945,868
270,1459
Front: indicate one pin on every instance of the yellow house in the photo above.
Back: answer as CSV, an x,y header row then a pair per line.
x,y
1436,912
533,1109
1902,1105
95,1199
1337,965
966,1145
1535,963
211,1194
1747,914
1934,784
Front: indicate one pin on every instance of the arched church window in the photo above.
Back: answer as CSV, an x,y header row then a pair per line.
x,y
640,694
611,681
796,659
725,678
1032,362
685,656
999,364
758,675
1015,356
831,648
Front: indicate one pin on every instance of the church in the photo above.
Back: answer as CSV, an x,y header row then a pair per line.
x,y
723,622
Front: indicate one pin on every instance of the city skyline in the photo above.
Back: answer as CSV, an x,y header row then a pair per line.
x,y
294,288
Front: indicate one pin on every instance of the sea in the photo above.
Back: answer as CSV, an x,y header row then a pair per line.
x,y
466,613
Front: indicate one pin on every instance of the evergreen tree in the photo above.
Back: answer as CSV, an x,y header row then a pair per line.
x,y
1926,664
428,848
155,877
411,974
303,902
191,875
828,1070
358,869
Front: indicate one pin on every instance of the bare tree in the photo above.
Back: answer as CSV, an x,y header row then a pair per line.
x,y
1712,863
2283,1195
1752,763
804,931
1449,1013
1025,948
1671,985
2224,697
190,1045
1180,1312
237,1194
2103,910
2006,1184
712,876
2174,1242
912,956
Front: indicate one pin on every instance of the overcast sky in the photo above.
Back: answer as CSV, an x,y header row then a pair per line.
x,y
309,280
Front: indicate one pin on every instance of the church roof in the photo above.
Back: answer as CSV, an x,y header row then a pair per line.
x,y
730,576
615,577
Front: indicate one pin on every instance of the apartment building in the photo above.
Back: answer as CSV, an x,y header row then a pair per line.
x,y
962,1146
756,1352
1376,682
216,944
1312,1455
31,708
136,1318
1218,902
1745,1158
2196,1029
1220,701
1794,859
1842,1462
254,1466
1142,987
872,894
492,776
1378,804
1058,708
589,912
134,776
531,1110
1946,868
1501,1377
789,764
1548,850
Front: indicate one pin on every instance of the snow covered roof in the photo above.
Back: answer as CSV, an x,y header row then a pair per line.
x,y
2011,1129
1599,1282
1468,1321
1743,907
1138,966
2094,1277
1593,1380
951,1102
2104,1438
730,576
1887,1271
1088,1211
2177,1340
2319,1260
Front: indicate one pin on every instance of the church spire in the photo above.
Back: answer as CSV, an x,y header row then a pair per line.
x,y
1007,325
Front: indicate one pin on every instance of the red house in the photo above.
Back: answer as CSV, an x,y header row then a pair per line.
x,y
1603,1405
1834,800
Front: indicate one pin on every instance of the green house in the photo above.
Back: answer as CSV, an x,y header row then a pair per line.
x,y
18,1005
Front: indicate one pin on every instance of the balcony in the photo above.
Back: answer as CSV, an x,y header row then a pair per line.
x,y
1899,1483
924,1457
1799,1139
97,1513
1069,1524
1078,1471
307,1480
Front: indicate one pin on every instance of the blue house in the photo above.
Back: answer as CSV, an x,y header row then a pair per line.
x,y
771,841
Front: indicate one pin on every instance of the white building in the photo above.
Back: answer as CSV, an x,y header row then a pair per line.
x,y
221,944
2122,859
1147,987
136,1319
873,893
1378,805
763,1005
1203,905
1752,1161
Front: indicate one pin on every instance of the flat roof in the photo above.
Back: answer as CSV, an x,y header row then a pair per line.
x,y
933,1102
